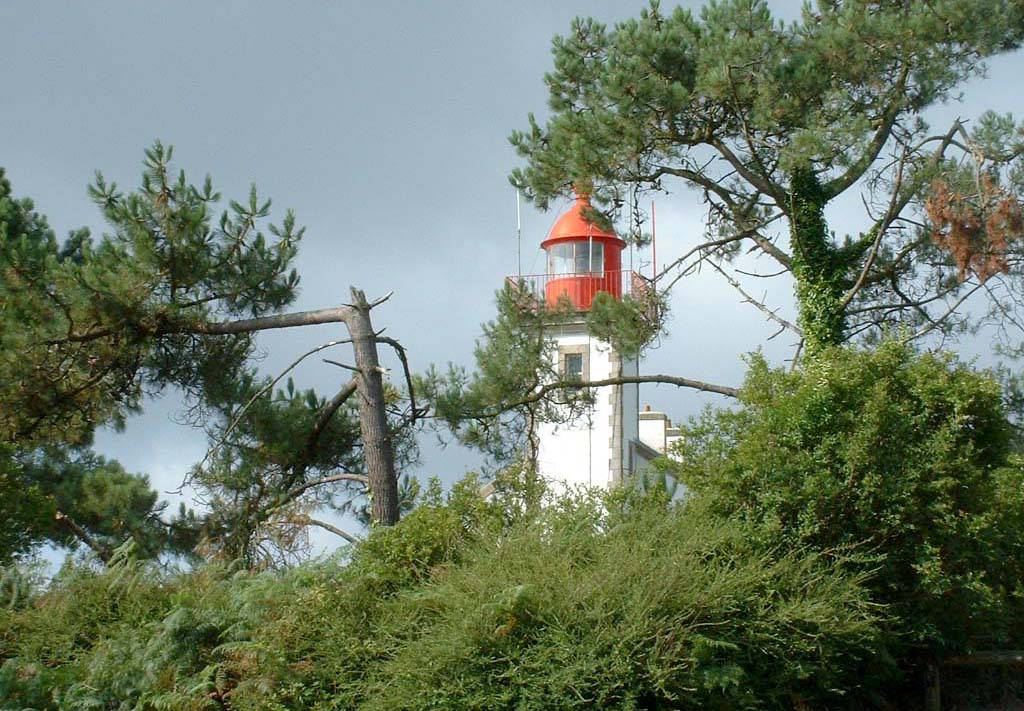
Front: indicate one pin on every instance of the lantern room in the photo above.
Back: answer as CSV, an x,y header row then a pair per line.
x,y
582,259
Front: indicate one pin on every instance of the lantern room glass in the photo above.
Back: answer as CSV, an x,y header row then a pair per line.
x,y
576,258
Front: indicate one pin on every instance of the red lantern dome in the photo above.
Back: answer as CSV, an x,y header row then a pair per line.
x,y
582,259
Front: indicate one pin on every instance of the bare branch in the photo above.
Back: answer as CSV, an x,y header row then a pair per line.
x,y
907,303
341,314
698,248
772,315
303,520
1006,312
341,365
543,390
343,476
760,276
81,534
381,300
935,323
414,413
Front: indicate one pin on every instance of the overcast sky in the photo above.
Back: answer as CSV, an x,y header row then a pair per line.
x,y
384,126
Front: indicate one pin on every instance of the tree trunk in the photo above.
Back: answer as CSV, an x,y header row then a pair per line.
x,y
377,450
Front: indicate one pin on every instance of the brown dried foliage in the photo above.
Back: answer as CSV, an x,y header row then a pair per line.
x,y
976,230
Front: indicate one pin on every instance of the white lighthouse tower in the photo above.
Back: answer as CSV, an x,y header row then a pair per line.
x,y
602,447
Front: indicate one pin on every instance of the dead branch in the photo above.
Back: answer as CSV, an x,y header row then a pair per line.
x,y
303,520
341,365
343,476
541,392
340,314
414,413
699,248
81,534
938,321
760,306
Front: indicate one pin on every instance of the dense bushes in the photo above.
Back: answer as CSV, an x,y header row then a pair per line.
x,y
905,458
582,604
661,610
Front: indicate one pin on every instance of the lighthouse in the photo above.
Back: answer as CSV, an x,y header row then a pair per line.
x,y
602,447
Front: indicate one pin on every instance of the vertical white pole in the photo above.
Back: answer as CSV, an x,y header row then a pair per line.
x,y
654,245
519,237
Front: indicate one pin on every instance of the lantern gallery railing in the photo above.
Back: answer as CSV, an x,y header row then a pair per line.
x,y
580,288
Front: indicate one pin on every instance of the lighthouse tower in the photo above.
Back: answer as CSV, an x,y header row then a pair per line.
x,y
602,447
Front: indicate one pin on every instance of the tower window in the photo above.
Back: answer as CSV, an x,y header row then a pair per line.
x,y
589,257
576,258
574,366
573,362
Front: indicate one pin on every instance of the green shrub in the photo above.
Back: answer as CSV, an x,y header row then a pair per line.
x,y
663,610
590,602
903,457
49,646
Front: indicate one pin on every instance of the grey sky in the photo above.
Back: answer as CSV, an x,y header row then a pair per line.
x,y
382,125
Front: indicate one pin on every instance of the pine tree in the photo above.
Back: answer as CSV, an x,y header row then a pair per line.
x,y
773,122
53,488
171,298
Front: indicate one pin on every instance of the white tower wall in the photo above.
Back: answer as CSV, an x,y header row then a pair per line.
x,y
595,449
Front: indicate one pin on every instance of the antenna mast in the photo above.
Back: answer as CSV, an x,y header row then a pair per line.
x,y
654,246
519,236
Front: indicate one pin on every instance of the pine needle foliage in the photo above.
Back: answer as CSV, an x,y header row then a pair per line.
x,y
94,322
494,407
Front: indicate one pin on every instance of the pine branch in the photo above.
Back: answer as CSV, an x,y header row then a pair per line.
x,y
878,141
261,392
328,412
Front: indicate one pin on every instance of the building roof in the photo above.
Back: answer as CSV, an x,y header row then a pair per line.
x,y
573,225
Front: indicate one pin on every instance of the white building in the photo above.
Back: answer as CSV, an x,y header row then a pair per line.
x,y
657,431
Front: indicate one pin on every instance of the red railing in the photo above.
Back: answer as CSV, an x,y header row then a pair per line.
x,y
581,288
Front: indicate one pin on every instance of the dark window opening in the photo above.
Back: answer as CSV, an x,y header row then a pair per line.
x,y
574,366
